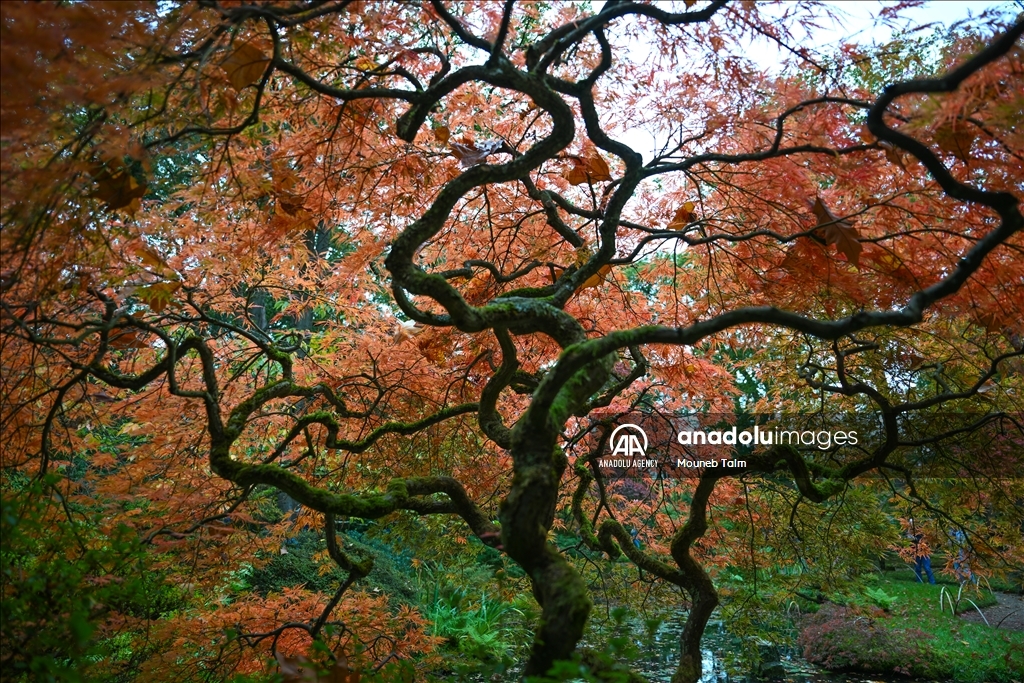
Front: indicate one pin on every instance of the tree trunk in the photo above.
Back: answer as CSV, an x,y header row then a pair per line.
x,y
696,582
705,600
526,517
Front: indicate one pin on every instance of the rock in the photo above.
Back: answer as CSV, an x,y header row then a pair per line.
x,y
771,670
769,657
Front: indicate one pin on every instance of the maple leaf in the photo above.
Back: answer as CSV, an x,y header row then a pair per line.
x,y
442,134
597,278
577,175
154,261
473,154
245,65
995,321
285,182
955,138
838,232
597,168
291,204
407,329
682,217
590,168
364,63
150,258
127,339
117,190
158,295
892,154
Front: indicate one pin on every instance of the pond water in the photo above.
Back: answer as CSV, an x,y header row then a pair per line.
x,y
658,657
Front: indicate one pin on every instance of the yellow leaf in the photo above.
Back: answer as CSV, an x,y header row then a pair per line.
x,y
245,66
365,64
129,428
683,216
441,134
583,254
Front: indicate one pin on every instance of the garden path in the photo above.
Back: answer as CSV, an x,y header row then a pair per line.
x,y
1008,613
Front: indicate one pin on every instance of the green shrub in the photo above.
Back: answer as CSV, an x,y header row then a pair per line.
x,y
484,628
62,578
880,598
392,570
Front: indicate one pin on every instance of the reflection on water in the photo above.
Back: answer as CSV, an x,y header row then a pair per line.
x,y
658,657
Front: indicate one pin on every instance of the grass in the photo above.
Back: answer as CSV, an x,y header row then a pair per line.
x,y
966,649
912,636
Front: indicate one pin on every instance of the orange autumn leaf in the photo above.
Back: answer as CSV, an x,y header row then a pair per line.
x,y
590,168
245,65
598,278
993,321
597,168
286,181
577,175
892,154
682,217
838,232
127,339
151,258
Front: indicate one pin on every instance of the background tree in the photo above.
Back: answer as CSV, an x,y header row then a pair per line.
x,y
407,257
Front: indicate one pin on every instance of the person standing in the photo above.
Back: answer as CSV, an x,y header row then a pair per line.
x,y
962,564
922,555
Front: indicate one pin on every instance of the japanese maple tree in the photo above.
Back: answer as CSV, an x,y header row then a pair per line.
x,y
420,256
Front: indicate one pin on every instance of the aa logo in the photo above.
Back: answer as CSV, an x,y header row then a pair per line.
x,y
626,441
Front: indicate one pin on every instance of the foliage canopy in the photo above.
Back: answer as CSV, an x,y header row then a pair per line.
x,y
288,265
